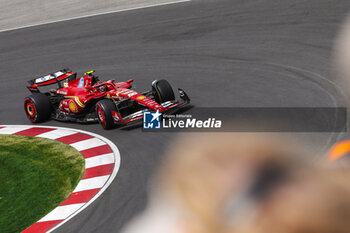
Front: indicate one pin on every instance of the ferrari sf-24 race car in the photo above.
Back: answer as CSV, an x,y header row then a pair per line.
x,y
87,99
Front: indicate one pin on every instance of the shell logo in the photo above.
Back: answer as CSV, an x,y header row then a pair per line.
x,y
141,97
73,106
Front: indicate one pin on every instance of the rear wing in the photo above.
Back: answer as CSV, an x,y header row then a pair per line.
x,y
50,79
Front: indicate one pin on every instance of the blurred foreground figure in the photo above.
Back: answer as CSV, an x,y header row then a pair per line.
x,y
341,57
340,153
244,183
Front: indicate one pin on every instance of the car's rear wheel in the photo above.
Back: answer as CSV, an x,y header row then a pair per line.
x,y
37,107
104,110
162,91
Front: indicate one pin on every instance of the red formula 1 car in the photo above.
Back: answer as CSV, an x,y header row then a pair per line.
x,y
87,99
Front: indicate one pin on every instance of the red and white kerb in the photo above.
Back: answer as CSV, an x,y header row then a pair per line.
x,y
102,162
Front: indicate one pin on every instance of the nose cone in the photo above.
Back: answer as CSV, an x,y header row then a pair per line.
x,y
159,108
150,103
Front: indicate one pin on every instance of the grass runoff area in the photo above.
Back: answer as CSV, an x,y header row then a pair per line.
x,y
36,176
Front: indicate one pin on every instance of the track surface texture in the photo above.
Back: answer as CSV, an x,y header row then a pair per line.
x,y
22,13
228,53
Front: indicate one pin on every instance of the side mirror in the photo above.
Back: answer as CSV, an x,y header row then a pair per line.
x,y
130,81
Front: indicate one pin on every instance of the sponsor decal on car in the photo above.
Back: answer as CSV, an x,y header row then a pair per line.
x,y
129,93
81,83
77,100
62,92
116,117
44,79
73,107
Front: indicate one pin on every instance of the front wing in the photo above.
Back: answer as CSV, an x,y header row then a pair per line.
x,y
171,107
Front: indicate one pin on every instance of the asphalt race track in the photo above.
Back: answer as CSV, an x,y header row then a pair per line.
x,y
228,53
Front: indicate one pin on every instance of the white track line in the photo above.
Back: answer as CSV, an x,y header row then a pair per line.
x,y
97,14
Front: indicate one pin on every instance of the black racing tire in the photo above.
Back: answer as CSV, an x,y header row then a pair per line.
x,y
162,91
37,107
104,110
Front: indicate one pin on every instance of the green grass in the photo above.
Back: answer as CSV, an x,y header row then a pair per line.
x,y
36,176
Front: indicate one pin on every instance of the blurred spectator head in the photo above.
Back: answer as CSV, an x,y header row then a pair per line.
x,y
341,57
244,183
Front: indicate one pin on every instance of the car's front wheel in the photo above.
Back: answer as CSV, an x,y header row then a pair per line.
x,y
162,91
37,107
104,110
